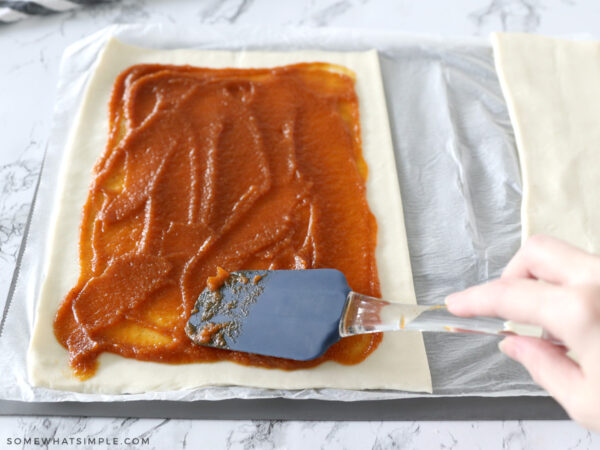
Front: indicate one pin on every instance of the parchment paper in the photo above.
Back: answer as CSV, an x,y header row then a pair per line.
x,y
459,177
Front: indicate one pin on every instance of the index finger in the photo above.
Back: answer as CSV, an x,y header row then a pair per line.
x,y
522,300
554,261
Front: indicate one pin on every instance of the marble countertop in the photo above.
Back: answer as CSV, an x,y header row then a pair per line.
x,y
31,51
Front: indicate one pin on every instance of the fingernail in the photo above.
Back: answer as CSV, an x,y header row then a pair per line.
x,y
449,299
502,346
507,349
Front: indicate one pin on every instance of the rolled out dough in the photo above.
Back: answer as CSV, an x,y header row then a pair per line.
x,y
399,362
552,87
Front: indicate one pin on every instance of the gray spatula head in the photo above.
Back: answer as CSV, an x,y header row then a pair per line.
x,y
291,314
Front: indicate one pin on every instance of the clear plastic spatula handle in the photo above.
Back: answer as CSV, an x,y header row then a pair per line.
x,y
363,314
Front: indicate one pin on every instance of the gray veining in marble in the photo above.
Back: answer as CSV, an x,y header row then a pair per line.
x,y
16,178
164,433
513,15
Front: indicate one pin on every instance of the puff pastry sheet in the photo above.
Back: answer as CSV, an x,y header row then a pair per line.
x,y
399,362
552,87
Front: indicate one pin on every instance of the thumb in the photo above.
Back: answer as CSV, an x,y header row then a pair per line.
x,y
548,365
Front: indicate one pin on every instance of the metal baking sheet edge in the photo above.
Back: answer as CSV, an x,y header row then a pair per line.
x,y
412,409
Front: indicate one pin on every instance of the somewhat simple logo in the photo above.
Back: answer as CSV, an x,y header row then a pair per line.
x,y
87,440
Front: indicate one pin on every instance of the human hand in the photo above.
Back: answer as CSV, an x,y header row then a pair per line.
x,y
557,286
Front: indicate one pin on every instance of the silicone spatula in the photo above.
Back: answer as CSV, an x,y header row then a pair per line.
x,y
299,314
